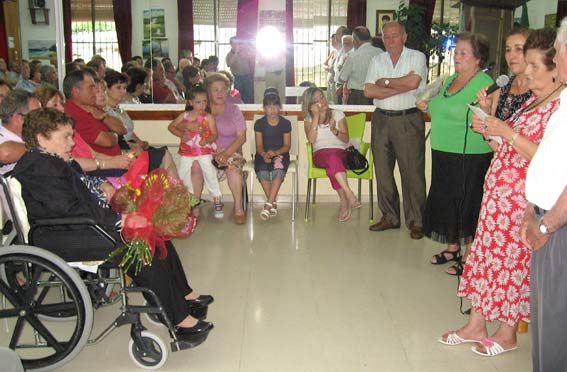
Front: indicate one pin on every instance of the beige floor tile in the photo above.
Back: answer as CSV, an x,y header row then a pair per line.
x,y
316,296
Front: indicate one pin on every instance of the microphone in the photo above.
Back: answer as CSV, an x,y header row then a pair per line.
x,y
500,82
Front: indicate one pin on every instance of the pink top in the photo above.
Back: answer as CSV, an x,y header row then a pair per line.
x,y
228,125
81,148
190,142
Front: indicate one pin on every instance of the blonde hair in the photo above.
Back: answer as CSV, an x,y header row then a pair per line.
x,y
214,77
308,100
45,93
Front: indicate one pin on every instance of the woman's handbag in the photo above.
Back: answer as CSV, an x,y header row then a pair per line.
x,y
356,162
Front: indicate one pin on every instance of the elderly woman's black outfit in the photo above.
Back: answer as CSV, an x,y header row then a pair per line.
x,y
52,188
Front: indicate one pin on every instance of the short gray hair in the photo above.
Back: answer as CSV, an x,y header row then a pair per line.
x,y
562,32
17,101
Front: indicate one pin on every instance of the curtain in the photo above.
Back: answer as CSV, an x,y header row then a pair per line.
x,y
3,41
561,11
356,13
289,60
247,20
123,21
186,37
429,6
67,31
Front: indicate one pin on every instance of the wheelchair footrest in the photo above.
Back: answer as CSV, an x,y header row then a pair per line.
x,y
189,343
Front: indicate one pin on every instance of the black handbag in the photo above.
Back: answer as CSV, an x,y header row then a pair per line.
x,y
356,162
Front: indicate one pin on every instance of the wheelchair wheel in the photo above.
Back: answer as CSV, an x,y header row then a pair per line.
x,y
31,282
156,353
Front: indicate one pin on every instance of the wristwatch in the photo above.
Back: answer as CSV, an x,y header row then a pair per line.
x,y
542,228
387,82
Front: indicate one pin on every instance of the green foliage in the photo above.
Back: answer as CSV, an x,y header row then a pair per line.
x,y
431,43
412,17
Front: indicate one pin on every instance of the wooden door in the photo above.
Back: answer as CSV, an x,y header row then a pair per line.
x,y
12,24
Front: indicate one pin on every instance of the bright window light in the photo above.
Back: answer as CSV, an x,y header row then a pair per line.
x,y
270,42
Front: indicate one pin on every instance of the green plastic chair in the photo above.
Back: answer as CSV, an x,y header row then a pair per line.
x,y
356,125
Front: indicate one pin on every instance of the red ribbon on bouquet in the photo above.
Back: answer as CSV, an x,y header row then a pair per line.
x,y
160,211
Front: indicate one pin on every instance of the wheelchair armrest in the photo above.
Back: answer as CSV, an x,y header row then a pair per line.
x,y
65,221
74,239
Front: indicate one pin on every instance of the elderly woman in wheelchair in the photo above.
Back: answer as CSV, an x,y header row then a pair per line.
x,y
53,187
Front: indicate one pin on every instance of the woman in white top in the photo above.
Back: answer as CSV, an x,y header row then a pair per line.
x,y
327,131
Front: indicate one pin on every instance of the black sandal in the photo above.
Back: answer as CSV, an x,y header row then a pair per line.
x,y
441,259
458,267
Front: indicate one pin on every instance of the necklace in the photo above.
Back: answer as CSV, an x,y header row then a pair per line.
x,y
538,102
533,105
446,93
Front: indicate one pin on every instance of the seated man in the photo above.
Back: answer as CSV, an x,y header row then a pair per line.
x,y
13,109
52,188
79,88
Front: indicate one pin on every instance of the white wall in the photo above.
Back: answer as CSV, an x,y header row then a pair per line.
x,y
170,7
38,31
372,6
537,10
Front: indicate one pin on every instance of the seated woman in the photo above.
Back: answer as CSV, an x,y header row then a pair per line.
x,y
115,92
327,131
231,129
136,88
51,188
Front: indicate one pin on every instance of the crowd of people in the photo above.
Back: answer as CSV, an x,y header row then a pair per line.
x,y
497,198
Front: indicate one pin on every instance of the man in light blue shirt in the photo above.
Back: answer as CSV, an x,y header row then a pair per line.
x,y
353,74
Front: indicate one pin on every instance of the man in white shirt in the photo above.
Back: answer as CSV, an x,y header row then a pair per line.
x,y
398,130
13,109
343,55
545,232
353,73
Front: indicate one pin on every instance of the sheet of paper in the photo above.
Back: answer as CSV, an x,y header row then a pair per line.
x,y
483,115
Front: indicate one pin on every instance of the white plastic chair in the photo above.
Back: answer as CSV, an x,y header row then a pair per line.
x,y
293,163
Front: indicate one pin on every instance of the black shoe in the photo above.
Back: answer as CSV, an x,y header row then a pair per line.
x,y
197,311
203,300
197,330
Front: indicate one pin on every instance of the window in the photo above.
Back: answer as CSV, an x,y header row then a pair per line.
x,y
446,19
94,31
314,21
213,26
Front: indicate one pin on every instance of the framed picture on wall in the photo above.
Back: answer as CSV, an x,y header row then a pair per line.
x,y
383,16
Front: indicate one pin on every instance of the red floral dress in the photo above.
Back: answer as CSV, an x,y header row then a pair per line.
x,y
496,277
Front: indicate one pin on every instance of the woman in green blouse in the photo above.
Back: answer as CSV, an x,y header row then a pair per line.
x,y
460,157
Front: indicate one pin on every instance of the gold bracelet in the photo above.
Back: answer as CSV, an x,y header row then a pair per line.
x,y
514,137
97,163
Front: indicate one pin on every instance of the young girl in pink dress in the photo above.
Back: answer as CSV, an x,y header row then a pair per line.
x,y
199,144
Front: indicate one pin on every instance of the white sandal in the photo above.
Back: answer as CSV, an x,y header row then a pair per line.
x,y
274,210
492,348
454,339
265,214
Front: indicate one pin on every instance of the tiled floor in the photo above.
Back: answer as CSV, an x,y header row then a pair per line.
x,y
316,296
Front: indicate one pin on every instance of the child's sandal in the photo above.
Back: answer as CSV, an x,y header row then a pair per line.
x,y
274,210
265,214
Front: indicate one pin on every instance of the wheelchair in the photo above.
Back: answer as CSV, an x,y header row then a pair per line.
x,y
47,306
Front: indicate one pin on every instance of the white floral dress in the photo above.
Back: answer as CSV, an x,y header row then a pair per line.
x,y
496,277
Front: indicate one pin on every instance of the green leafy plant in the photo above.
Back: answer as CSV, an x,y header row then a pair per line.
x,y
412,16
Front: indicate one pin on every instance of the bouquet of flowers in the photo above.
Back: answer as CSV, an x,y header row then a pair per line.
x,y
157,208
